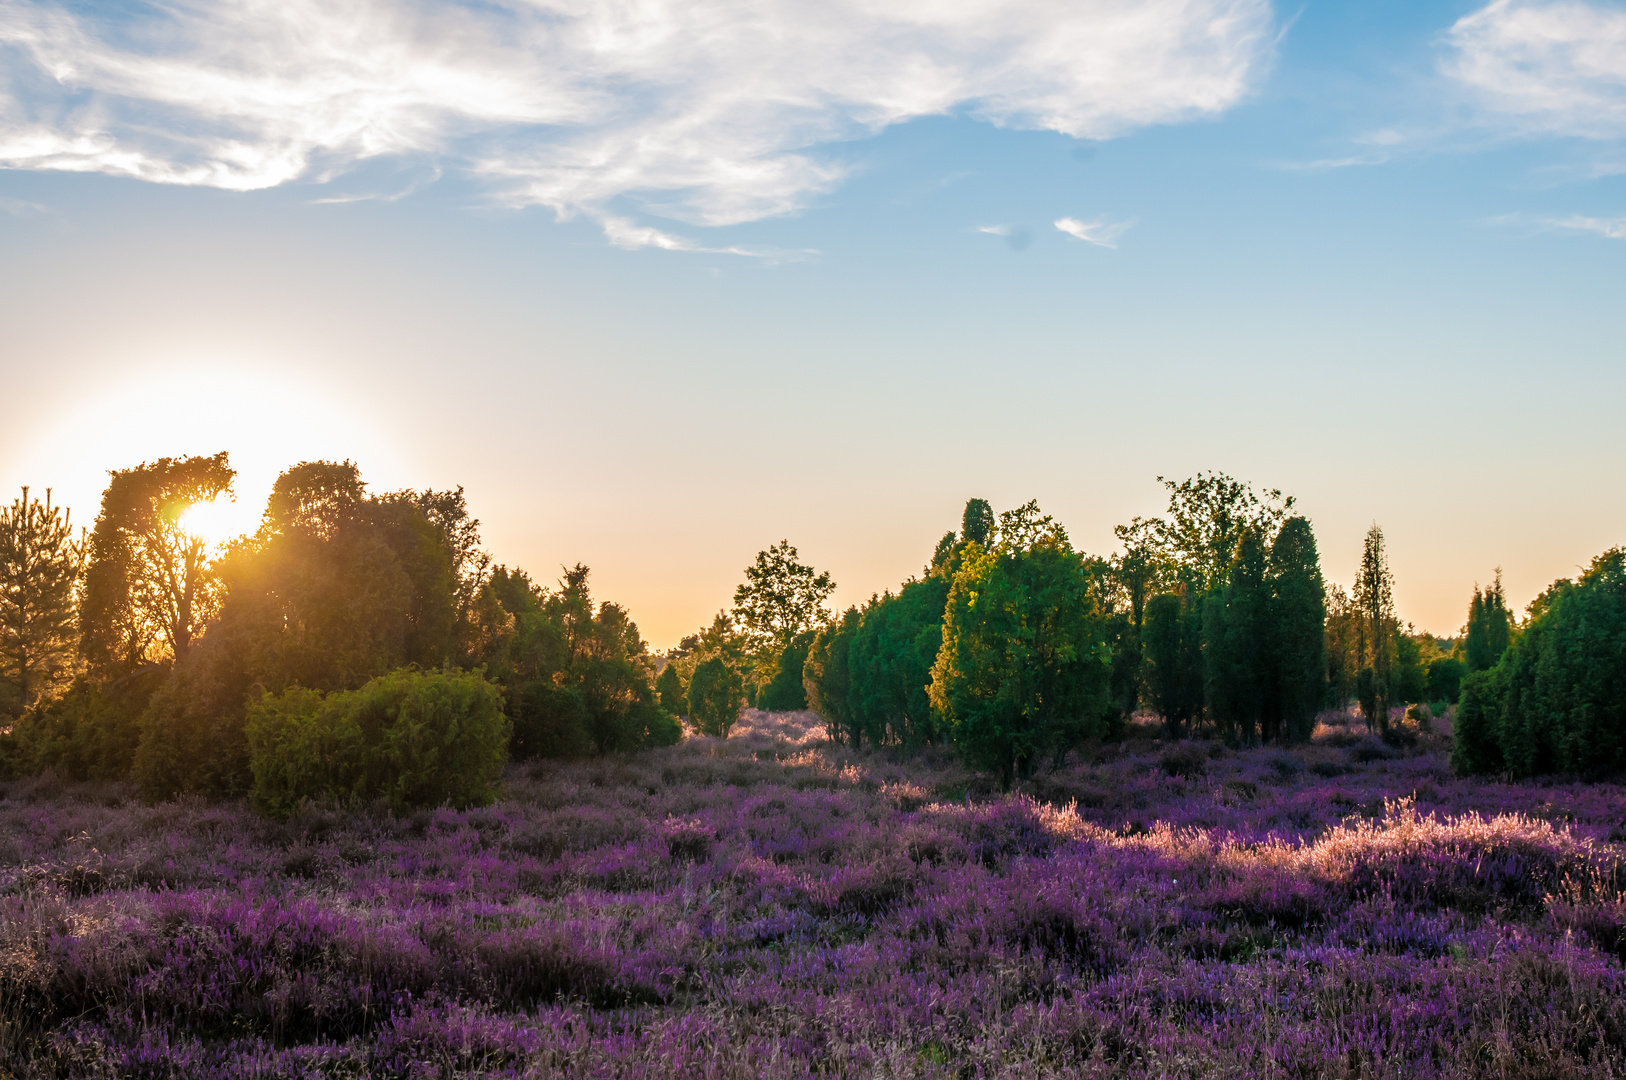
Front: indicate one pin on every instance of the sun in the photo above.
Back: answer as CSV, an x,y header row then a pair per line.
x,y
218,522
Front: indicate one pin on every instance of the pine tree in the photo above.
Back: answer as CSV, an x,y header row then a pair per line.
x,y
39,568
1375,630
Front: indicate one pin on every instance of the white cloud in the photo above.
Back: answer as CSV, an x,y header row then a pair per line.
x,y
19,207
1556,67
1614,228
1102,233
707,111
1329,164
995,230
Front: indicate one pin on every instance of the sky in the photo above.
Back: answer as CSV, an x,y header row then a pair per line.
x,y
660,283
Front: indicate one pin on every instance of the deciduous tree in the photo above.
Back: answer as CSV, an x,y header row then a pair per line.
x,y
149,588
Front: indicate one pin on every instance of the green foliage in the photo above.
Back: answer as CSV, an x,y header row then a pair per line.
x,y
1490,627
977,523
827,676
1342,643
1556,701
1024,667
549,721
1297,621
39,569
1236,661
576,672
784,692
1206,519
1375,631
1410,682
191,733
1475,726
715,691
303,745
674,696
148,588
892,653
1173,650
90,732
334,589
1445,674
780,598
410,738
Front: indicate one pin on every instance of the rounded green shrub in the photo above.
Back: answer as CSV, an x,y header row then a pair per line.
x,y
413,738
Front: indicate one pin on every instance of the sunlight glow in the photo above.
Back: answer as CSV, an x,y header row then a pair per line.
x,y
267,420
219,522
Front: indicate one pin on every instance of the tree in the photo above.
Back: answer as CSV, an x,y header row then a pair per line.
x,y
1136,572
1207,516
1024,666
1297,627
39,570
714,697
578,675
1342,641
148,589
780,598
784,692
827,676
1445,679
1173,651
1489,629
669,687
1236,668
1375,630
336,588
1556,701
977,523
890,660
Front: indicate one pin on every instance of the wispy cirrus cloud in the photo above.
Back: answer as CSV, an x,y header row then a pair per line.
x,y
1545,66
1613,228
712,112
1102,233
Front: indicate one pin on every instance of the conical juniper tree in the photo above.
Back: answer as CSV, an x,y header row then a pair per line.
x,y
1489,628
39,569
1236,666
827,677
1298,614
891,660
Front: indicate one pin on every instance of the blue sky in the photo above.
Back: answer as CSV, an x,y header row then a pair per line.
x,y
662,283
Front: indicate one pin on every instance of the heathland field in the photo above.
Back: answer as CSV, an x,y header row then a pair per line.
x,y
775,905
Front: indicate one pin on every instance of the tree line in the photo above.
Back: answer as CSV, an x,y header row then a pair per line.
x,y
135,651
342,648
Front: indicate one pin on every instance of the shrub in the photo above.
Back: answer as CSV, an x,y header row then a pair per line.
x,y
413,738
302,744
1373,748
1184,759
